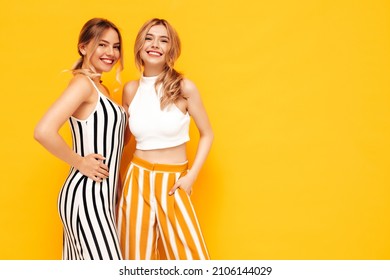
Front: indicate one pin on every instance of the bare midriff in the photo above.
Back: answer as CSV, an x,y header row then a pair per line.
x,y
172,155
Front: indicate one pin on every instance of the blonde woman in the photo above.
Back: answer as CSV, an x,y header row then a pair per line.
x,y
155,201
86,201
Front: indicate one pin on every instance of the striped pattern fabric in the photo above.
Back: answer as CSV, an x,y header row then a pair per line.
x,y
86,207
146,213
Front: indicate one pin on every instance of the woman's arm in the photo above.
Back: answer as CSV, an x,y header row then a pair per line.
x,y
79,92
199,115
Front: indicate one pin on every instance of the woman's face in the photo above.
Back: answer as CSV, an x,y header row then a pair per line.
x,y
155,47
107,52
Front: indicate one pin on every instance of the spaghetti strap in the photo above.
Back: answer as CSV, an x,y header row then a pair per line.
x,y
93,83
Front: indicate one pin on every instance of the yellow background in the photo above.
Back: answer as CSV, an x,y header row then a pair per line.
x,y
298,96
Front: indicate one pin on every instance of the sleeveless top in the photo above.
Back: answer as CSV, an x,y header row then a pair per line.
x,y
152,127
86,207
102,132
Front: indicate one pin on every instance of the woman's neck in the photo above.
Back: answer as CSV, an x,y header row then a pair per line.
x,y
152,71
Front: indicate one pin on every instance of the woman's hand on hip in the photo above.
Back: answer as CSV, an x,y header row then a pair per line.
x,y
93,167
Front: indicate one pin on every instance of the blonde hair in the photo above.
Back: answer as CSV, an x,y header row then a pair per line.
x,y
92,31
170,79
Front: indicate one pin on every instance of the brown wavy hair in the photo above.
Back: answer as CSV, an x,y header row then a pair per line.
x,y
92,31
170,79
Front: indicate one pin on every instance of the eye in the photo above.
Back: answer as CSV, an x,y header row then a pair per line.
x,y
148,38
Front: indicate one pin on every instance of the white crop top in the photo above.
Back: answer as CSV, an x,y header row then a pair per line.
x,y
152,127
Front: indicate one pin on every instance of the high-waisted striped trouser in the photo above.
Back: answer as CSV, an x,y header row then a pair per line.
x,y
146,212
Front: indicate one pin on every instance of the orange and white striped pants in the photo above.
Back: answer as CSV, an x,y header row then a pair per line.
x,y
146,213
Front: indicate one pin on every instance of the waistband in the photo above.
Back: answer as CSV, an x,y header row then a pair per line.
x,y
160,166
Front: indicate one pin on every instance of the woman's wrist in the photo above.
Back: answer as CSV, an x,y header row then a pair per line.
x,y
77,161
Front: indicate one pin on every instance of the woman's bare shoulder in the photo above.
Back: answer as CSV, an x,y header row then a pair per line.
x,y
188,88
129,91
80,86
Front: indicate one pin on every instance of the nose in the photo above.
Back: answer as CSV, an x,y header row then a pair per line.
x,y
155,44
109,51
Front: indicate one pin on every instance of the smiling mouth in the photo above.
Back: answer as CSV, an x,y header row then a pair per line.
x,y
154,53
107,61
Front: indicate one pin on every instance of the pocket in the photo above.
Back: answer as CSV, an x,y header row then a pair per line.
x,y
183,190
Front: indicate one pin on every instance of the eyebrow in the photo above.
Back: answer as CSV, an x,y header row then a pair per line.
x,y
118,43
163,36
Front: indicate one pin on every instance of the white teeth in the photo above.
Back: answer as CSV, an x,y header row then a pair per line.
x,y
154,53
108,61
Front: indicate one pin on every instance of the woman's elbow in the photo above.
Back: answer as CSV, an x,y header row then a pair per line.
x,y
39,133
210,136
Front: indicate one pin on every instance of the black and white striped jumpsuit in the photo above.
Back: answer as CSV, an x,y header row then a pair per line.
x,y
86,207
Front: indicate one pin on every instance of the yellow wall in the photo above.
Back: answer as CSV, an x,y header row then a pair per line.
x,y
298,95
